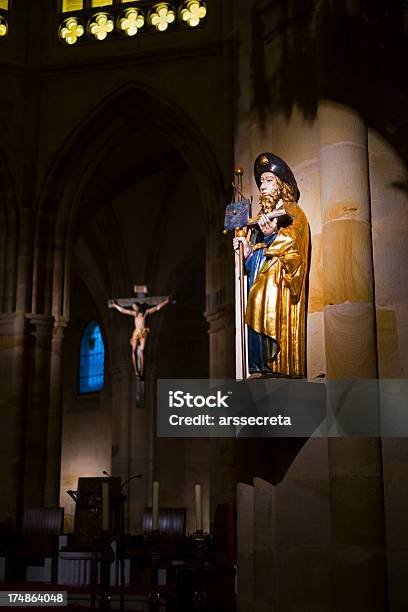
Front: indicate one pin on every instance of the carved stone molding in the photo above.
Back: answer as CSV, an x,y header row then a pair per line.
x,y
42,324
220,319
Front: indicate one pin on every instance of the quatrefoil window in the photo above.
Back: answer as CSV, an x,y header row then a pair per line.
x,y
193,12
161,17
131,22
101,26
71,30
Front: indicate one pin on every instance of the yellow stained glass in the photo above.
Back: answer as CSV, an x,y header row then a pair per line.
x,y
161,16
71,30
192,12
72,5
125,1
4,4
3,27
96,3
101,26
131,21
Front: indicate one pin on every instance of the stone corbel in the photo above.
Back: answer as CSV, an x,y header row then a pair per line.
x,y
220,319
42,324
60,323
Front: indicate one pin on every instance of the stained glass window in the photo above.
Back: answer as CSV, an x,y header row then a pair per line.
x,y
96,3
92,359
72,5
68,6
82,20
4,4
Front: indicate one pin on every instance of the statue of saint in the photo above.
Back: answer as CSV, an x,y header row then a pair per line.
x,y
276,263
138,340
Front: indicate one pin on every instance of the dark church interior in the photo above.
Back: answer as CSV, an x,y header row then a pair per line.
x,y
124,124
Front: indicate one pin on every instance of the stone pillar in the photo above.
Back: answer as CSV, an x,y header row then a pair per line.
x,y
24,260
54,434
220,309
222,342
142,437
245,548
223,477
10,266
121,408
12,396
358,556
347,250
265,592
36,418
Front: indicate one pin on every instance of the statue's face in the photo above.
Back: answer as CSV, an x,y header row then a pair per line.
x,y
268,184
135,307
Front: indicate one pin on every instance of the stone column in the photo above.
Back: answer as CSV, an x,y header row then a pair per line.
x,y
10,266
121,419
142,436
221,320
245,548
53,467
36,418
358,556
13,373
24,260
265,591
222,342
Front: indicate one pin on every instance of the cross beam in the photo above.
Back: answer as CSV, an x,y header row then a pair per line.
x,y
141,297
127,302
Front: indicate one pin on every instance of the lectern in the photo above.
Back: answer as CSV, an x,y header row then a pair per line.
x,y
98,521
98,508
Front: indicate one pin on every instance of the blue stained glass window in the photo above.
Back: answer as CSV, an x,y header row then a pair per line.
x,y
92,359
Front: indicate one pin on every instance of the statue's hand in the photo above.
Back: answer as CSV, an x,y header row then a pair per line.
x,y
245,244
267,226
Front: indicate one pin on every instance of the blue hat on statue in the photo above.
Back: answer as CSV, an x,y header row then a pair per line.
x,y
267,162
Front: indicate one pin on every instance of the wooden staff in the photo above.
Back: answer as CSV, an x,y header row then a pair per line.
x,y
238,233
241,232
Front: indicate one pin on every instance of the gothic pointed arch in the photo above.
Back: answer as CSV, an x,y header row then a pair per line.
x,y
121,113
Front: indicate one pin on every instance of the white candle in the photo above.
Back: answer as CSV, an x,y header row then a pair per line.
x,y
105,506
198,507
155,509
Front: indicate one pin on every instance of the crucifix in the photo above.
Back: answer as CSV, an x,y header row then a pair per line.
x,y
139,307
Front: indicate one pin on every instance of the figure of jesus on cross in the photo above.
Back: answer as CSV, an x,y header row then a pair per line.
x,y
140,308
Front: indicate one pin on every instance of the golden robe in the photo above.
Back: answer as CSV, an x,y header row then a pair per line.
x,y
277,299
